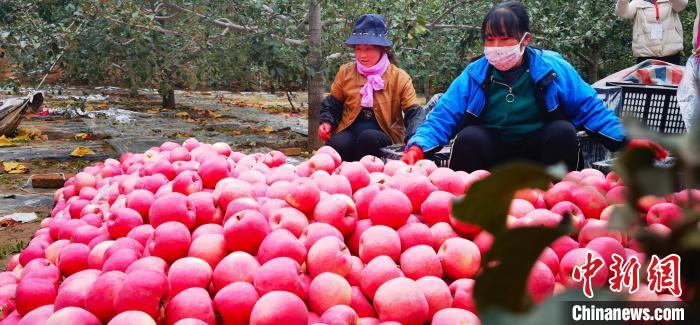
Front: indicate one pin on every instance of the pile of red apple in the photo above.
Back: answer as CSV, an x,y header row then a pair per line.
x,y
200,234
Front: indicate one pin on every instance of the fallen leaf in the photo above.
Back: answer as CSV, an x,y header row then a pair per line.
x,y
214,114
4,223
267,129
154,110
81,152
27,134
81,136
182,114
5,142
190,120
14,167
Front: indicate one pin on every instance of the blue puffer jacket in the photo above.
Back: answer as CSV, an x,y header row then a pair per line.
x,y
559,89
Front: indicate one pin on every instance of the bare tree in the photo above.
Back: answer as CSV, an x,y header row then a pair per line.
x,y
316,65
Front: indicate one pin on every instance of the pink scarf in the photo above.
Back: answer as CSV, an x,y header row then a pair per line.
x,y
374,79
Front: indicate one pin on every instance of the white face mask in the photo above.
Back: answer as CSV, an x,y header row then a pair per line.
x,y
504,57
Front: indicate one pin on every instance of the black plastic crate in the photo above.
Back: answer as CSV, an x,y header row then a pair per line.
x,y
591,151
606,166
655,106
394,152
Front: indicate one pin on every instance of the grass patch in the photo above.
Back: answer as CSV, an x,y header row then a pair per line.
x,y
12,248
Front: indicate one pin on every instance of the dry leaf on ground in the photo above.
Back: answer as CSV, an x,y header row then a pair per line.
x,y
5,142
81,136
14,167
81,152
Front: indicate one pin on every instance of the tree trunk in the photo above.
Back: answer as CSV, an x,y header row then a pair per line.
x,y
316,64
426,86
593,68
169,99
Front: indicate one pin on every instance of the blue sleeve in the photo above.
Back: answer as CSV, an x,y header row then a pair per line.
x,y
443,121
584,108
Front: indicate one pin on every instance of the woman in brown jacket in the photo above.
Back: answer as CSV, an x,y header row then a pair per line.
x,y
370,98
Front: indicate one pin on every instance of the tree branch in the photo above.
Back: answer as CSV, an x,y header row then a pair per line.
x,y
225,23
445,12
272,12
147,28
159,6
338,55
583,57
444,26
334,21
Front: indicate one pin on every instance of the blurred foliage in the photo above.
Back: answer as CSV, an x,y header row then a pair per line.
x,y
500,289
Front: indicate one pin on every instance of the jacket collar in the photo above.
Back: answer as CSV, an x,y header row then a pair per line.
x,y
539,68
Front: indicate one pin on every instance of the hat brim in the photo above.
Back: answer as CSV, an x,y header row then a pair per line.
x,y
368,40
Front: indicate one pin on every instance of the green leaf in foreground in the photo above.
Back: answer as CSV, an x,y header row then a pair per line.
x,y
556,310
636,168
488,200
513,253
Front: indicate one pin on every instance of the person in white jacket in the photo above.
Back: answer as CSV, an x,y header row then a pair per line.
x,y
689,93
689,88
657,31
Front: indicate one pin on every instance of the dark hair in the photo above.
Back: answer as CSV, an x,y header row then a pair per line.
x,y
391,56
506,19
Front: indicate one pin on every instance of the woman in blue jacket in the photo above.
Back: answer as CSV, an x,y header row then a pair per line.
x,y
517,102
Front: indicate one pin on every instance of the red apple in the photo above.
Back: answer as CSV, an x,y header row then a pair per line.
x,y
303,194
328,254
420,261
413,234
337,210
540,282
245,230
356,173
437,207
401,300
327,290
236,267
377,272
379,240
235,302
390,208
667,214
279,307
281,273
372,164
460,258
281,243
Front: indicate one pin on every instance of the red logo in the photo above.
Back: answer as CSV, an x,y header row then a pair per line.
x,y
586,271
665,274
624,273
662,274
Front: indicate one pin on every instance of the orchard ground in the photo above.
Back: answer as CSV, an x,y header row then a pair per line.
x,y
110,122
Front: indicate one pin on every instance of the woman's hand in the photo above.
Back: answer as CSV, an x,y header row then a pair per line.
x,y
412,155
324,131
658,150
